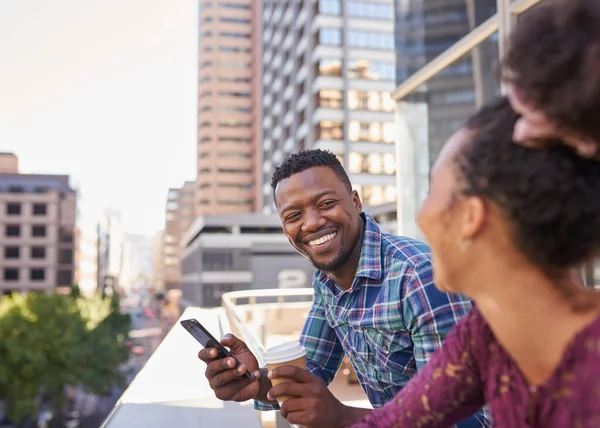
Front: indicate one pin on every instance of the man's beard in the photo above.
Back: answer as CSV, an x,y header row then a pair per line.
x,y
335,264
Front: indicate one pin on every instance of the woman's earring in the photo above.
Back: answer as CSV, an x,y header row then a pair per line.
x,y
464,245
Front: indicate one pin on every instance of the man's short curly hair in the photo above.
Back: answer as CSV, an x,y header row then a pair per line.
x,y
554,62
550,197
306,159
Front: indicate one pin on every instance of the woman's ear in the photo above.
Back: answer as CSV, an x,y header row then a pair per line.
x,y
473,217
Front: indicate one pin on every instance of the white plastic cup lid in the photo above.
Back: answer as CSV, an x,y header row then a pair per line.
x,y
284,352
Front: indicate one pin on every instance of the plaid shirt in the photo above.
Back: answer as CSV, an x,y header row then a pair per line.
x,y
389,322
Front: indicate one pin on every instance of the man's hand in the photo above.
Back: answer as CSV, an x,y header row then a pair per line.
x,y
311,404
229,382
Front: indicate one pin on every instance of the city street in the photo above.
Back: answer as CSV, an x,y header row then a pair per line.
x,y
146,333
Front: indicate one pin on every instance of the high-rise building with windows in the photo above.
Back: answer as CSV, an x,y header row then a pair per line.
x,y
428,116
37,229
225,153
327,70
179,217
423,30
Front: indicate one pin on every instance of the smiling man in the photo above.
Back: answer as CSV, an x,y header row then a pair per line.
x,y
374,300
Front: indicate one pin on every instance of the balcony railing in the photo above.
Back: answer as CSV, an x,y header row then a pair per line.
x,y
240,307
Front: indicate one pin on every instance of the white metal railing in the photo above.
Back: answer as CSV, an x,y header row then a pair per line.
x,y
473,39
238,325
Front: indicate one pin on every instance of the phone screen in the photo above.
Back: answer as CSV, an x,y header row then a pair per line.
x,y
207,340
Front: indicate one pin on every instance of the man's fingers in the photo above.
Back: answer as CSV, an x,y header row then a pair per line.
x,y
227,377
293,405
235,344
207,354
215,367
292,389
293,373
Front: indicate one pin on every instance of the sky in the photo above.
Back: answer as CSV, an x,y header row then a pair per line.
x,y
105,91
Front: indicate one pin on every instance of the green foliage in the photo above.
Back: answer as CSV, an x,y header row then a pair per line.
x,y
49,341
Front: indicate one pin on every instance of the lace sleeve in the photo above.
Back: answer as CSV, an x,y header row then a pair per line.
x,y
447,390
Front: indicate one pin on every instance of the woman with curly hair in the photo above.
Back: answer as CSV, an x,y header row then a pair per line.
x,y
508,225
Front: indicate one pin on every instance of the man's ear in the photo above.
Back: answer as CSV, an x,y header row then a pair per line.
x,y
357,202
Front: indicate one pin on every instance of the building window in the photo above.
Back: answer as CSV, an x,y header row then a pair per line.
x,y
37,274
12,230
235,6
65,257
331,36
329,130
64,277
235,35
329,98
38,252
11,274
12,252
16,189
38,230
329,67
370,10
234,20
330,7
39,209
13,208
370,39
371,70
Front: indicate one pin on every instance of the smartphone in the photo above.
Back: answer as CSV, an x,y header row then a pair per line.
x,y
207,340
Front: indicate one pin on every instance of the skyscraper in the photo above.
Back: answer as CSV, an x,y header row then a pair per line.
x,y
225,163
328,70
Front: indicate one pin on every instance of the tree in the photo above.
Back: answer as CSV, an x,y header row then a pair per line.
x,y
50,341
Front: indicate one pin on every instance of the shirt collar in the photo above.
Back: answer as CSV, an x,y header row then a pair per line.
x,y
369,263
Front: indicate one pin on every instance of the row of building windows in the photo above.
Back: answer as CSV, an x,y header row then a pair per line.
x,y
12,274
22,189
227,20
11,252
373,132
357,9
227,155
372,163
356,100
227,109
230,124
357,69
239,6
227,202
243,186
14,230
16,208
357,38
227,49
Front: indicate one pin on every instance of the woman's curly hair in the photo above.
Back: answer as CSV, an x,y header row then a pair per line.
x,y
554,62
550,197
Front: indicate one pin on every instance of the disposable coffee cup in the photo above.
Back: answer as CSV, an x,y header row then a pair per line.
x,y
286,354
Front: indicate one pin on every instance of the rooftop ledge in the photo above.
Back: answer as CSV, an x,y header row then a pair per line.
x,y
171,390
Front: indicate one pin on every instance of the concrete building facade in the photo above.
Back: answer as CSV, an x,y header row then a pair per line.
x,y
328,70
37,229
238,252
225,155
178,218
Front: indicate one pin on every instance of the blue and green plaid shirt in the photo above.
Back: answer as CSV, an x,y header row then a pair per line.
x,y
388,323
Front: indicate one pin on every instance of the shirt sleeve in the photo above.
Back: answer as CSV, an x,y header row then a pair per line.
x,y
324,352
444,392
430,315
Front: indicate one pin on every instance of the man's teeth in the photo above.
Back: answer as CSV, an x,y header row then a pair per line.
x,y
322,239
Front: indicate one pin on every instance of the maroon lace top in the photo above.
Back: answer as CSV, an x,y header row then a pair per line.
x,y
472,369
